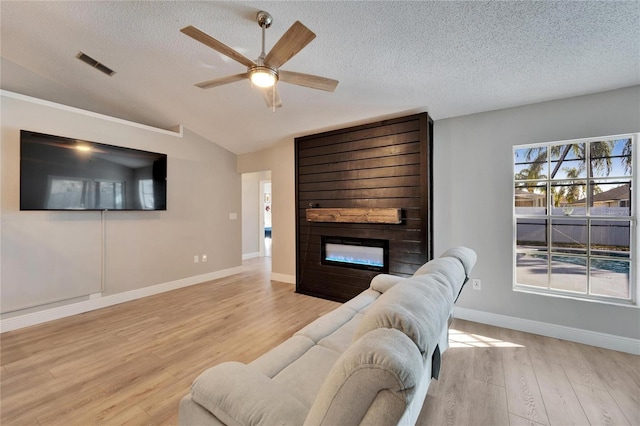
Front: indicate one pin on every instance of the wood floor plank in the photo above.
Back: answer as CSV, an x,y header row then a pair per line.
x,y
488,367
599,406
161,405
578,368
451,404
619,373
561,403
521,421
523,394
489,405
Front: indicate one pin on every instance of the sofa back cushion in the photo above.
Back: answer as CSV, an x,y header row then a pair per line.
x,y
465,255
451,269
447,271
418,307
372,382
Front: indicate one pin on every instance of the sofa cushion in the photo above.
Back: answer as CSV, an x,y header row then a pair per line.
x,y
327,324
239,395
305,375
374,379
418,307
274,361
340,339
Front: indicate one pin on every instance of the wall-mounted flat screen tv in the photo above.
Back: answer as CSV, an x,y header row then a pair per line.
x,y
59,173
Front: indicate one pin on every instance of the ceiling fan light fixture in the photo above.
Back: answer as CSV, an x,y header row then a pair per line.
x,y
262,76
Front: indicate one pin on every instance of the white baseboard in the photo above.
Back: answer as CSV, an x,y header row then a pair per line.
x,y
593,338
97,302
283,278
247,256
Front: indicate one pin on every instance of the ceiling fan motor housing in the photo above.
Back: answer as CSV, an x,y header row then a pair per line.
x,y
262,75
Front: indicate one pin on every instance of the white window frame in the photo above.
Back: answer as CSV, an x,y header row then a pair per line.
x,y
634,275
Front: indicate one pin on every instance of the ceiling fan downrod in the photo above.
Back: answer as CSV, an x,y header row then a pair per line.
x,y
264,20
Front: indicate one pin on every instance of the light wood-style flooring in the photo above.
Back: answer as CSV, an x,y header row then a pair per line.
x,y
132,363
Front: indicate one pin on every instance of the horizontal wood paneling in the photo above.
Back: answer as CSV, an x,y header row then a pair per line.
x,y
365,132
369,163
383,141
391,202
402,192
363,154
386,182
407,170
379,165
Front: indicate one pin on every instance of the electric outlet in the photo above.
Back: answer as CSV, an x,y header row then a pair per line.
x,y
204,257
477,284
196,259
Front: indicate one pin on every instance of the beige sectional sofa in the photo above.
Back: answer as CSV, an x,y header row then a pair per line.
x,y
370,361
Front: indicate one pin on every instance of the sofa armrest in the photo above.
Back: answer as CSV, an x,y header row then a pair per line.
x,y
383,282
237,394
372,382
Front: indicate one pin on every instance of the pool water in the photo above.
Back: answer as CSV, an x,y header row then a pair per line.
x,y
619,266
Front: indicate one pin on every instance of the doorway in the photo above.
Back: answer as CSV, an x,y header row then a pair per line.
x,y
256,215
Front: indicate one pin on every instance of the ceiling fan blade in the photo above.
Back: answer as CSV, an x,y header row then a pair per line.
x,y
293,41
207,40
308,80
224,80
272,97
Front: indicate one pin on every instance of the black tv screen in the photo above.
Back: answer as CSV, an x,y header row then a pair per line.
x,y
59,173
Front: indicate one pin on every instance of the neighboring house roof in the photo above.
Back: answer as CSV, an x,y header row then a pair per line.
x,y
618,193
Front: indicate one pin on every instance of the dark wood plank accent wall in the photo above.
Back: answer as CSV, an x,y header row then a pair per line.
x,y
377,165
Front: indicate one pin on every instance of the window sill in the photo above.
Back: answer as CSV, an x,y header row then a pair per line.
x,y
579,297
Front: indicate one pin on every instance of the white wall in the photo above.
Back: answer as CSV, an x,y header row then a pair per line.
x,y
472,190
473,205
63,250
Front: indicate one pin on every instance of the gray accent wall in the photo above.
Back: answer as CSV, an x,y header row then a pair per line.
x,y
473,206
58,257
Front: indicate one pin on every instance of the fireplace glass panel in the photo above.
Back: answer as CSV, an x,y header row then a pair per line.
x,y
356,253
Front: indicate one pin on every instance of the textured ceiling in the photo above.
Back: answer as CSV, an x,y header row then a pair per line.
x,y
391,58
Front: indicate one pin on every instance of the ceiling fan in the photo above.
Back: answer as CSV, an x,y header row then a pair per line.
x,y
265,71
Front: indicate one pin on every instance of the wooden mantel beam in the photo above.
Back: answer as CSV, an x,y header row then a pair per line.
x,y
355,215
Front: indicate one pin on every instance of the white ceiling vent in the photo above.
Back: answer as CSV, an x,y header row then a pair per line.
x,y
95,64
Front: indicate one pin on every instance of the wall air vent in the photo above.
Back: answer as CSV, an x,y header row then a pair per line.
x,y
95,64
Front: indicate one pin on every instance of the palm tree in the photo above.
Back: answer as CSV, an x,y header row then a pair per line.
x,y
601,153
626,156
575,189
529,174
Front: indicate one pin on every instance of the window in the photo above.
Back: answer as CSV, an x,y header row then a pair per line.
x,y
574,219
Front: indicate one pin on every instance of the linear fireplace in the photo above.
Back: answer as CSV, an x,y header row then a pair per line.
x,y
359,253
